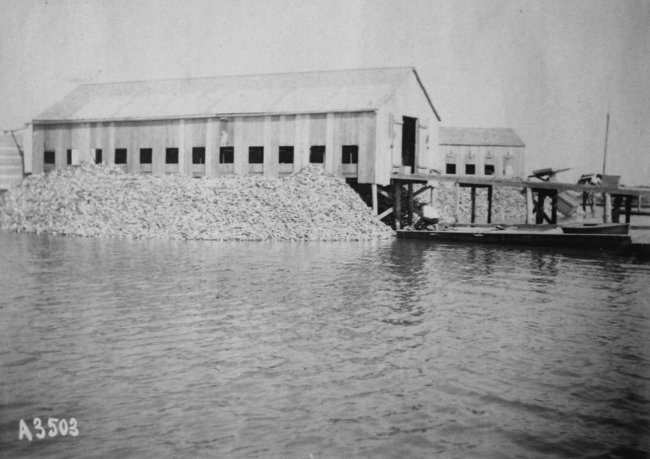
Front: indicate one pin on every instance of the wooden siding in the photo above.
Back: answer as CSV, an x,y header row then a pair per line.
x,y
332,130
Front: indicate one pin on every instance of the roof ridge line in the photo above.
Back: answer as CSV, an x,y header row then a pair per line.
x,y
251,75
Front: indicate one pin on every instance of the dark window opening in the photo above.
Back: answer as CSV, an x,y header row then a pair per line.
x,y
255,155
470,169
69,156
120,156
226,155
450,169
286,155
350,154
489,169
317,154
171,155
198,155
408,141
49,157
98,156
146,155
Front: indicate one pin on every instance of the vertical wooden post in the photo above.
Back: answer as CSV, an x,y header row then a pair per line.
x,y
397,194
473,204
373,191
457,201
410,203
539,209
554,207
489,215
181,149
529,205
607,208
628,208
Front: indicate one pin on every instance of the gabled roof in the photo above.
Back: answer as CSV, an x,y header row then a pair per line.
x,y
312,92
492,137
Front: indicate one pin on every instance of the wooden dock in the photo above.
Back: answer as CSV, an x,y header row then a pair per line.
x,y
536,194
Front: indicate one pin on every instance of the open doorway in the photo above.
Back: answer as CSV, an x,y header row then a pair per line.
x,y
408,141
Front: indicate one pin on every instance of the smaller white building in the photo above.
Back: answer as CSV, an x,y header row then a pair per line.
x,y
481,152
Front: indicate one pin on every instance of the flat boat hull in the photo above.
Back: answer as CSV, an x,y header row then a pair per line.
x,y
525,238
597,228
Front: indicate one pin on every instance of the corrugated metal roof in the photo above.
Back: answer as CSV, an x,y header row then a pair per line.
x,y
494,137
313,92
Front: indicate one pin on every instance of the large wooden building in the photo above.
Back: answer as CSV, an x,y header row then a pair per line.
x,y
483,152
361,124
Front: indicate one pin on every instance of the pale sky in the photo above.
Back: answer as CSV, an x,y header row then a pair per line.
x,y
549,69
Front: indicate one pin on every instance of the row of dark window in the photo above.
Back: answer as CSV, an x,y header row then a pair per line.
x,y
349,155
470,169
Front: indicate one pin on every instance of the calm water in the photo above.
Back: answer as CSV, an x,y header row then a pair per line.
x,y
395,349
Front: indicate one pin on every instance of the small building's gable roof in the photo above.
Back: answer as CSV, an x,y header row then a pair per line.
x,y
288,93
492,137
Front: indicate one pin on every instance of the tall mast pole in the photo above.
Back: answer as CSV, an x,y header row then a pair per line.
x,y
606,134
607,200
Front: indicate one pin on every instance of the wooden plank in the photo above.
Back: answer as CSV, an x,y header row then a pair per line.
x,y
371,120
337,144
529,205
628,208
61,146
410,203
136,132
489,212
473,193
457,201
271,140
184,139
330,149
38,149
109,156
607,213
299,146
241,147
212,147
397,193
373,190
626,191
318,129
365,166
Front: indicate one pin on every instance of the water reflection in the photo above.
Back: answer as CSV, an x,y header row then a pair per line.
x,y
390,349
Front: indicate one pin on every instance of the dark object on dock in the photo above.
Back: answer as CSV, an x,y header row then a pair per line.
x,y
514,236
596,228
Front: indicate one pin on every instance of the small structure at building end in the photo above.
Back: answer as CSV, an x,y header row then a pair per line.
x,y
481,152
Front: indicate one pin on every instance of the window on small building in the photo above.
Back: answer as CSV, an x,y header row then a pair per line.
x,y
350,154
285,155
69,157
255,155
49,157
488,168
146,155
120,156
470,169
198,155
98,156
317,154
171,155
226,155
450,163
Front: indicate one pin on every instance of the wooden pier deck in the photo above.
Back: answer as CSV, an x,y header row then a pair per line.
x,y
536,194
